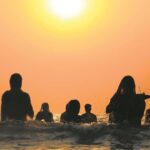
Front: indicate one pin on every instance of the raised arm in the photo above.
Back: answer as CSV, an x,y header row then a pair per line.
x,y
144,96
147,96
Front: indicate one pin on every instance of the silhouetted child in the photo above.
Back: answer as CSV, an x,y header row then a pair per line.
x,y
16,103
71,113
45,114
88,117
126,105
147,116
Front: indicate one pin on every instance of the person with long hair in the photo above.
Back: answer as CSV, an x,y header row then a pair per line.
x,y
72,112
126,105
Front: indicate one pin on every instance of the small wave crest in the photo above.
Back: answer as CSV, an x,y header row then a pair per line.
x,y
96,134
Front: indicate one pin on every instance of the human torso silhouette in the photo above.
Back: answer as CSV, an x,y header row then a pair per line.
x,y
16,105
71,113
125,107
89,118
67,117
45,115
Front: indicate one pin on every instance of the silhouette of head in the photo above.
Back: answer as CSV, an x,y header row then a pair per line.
x,y
45,107
88,108
73,107
127,86
15,81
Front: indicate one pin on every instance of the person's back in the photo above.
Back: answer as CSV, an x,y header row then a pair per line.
x,y
88,117
67,117
126,105
45,114
119,108
16,104
71,113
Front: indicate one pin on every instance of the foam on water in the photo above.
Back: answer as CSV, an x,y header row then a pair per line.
x,y
40,136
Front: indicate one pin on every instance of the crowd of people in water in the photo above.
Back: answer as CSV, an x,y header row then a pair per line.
x,y
124,107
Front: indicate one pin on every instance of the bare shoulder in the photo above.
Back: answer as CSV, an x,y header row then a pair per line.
x,y
25,93
6,93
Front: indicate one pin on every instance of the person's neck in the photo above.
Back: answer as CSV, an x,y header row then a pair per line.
x,y
45,111
15,89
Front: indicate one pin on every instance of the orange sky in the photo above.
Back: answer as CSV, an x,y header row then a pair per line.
x,y
83,58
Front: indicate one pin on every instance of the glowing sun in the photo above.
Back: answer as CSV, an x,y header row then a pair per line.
x,y
66,9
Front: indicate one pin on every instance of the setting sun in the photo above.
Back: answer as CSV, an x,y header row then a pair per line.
x,y
66,9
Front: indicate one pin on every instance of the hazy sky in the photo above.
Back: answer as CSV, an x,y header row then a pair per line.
x,y
83,58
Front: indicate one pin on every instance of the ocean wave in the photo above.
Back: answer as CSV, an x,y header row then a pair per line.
x,y
59,135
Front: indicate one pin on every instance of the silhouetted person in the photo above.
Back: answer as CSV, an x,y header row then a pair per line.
x,y
88,117
16,103
45,114
147,116
126,105
71,113
64,114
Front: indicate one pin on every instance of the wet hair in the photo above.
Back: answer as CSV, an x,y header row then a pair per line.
x,y
126,86
45,106
73,107
16,81
87,107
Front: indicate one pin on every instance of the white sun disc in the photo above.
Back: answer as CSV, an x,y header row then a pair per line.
x,y
67,8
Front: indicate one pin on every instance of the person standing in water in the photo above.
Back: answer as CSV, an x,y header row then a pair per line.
x,y
16,104
88,117
126,105
72,112
45,114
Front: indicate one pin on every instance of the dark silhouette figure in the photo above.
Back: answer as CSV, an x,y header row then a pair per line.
x,y
16,103
64,114
45,114
71,113
88,117
126,105
147,116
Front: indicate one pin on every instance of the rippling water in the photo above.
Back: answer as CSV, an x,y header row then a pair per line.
x,y
35,135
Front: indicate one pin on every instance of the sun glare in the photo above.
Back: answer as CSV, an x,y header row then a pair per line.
x,y
66,9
